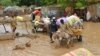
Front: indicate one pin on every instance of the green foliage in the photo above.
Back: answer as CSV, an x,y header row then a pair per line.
x,y
15,2
73,3
6,2
63,3
47,2
23,2
80,3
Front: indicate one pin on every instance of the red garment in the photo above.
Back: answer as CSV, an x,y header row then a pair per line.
x,y
37,12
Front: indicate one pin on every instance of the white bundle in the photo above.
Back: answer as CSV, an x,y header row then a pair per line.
x,y
46,20
88,15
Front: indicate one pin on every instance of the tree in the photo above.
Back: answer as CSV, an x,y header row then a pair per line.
x,y
15,2
6,2
63,3
47,2
80,3
24,2
72,3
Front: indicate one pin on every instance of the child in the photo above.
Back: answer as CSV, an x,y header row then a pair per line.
x,y
53,28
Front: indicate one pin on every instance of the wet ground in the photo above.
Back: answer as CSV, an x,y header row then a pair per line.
x,y
42,46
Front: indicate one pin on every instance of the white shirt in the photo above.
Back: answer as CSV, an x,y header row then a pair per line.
x,y
88,15
46,20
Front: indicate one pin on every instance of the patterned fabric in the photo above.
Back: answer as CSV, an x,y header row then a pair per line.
x,y
62,18
72,19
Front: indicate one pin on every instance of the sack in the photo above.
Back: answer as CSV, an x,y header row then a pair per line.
x,y
19,18
77,31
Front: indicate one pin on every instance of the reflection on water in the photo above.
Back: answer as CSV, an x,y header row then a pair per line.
x,y
42,47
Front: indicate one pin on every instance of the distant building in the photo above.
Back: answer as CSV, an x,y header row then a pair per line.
x,y
94,9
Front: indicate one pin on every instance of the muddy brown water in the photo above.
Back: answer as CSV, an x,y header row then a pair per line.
x,y
42,46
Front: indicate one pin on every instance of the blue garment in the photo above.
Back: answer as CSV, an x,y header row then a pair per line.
x,y
53,26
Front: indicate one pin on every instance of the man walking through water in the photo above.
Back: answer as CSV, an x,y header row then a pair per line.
x,y
53,28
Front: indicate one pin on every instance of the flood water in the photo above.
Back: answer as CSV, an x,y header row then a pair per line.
x,y
42,47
